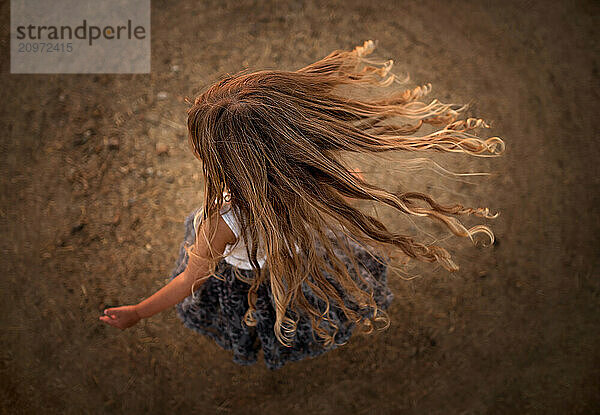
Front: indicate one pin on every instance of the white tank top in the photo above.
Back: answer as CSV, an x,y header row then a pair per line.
x,y
235,254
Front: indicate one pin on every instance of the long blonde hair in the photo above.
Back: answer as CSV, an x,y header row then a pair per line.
x,y
273,140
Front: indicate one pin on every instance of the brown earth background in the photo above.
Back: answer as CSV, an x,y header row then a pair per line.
x,y
92,215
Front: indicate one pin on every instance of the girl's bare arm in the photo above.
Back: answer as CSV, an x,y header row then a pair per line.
x,y
180,286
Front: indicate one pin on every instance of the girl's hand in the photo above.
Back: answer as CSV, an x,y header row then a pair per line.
x,y
121,317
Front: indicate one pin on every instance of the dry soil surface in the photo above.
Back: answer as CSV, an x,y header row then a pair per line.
x,y
92,215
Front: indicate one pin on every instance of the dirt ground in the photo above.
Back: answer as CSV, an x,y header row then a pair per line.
x,y
91,215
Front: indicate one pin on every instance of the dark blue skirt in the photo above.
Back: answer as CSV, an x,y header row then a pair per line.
x,y
217,309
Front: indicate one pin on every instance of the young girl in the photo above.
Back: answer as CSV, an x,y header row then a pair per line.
x,y
279,258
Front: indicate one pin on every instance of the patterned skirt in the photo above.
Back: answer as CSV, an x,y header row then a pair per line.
x,y
218,307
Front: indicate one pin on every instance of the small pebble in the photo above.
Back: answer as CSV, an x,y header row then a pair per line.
x,y
162,95
112,143
152,118
162,148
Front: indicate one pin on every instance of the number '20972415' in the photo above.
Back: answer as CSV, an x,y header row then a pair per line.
x,y
45,47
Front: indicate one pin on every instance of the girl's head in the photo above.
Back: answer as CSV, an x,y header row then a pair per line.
x,y
274,139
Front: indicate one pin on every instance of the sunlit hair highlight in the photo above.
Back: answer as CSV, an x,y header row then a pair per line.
x,y
273,140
